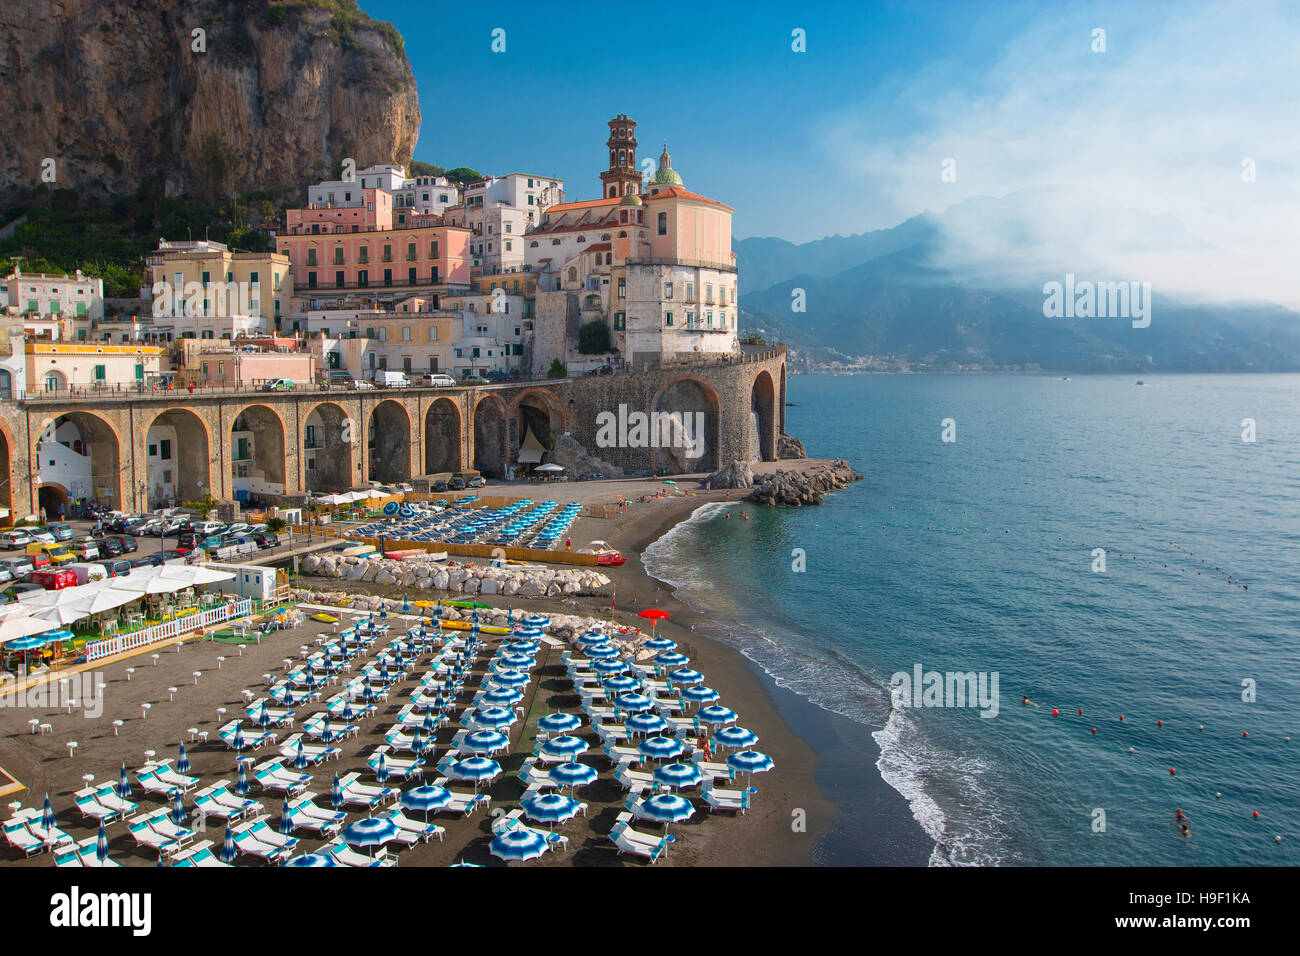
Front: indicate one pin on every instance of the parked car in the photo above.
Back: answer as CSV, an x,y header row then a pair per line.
x,y
473,380
386,379
265,539
478,481
205,528
116,567
56,553
238,527
40,536
279,385
440,485
152,559
19,567
109,547
360,385
85,550
151,527
55,579
175,524
61,532
15,539
17,591
177,555
437,380
39,559
127,542
5,575
458,484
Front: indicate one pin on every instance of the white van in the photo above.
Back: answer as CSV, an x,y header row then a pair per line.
x,y
437,380
387,379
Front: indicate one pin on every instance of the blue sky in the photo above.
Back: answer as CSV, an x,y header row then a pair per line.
x,y
850,135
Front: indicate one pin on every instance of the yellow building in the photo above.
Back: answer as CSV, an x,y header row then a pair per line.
x,y
205,278
87,369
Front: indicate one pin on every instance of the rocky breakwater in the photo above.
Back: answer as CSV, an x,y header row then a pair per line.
x,y
804,486
525,581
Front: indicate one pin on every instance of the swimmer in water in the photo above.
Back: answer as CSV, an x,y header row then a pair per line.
x,y
1178,815
1026,700
1186,832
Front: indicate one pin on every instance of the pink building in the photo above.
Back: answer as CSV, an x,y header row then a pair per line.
x,y
380,263
371,213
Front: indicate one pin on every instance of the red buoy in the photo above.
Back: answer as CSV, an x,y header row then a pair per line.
x,y
1160,723
1171,771
1121,716
1056,713
1244,734
1094,730
1254,813
1080,711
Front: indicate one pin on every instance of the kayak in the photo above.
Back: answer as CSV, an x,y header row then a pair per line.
x,y
469,626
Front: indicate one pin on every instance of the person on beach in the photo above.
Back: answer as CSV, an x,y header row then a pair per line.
x,y
703,746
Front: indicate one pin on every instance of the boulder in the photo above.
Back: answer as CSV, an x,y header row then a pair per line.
x,y
787,446
736,475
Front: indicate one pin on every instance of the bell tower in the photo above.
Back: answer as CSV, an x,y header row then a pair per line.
x,y
622,178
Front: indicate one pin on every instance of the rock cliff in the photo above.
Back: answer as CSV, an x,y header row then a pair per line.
x,y
119,94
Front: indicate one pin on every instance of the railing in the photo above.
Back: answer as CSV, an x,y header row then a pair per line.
x,y
96,650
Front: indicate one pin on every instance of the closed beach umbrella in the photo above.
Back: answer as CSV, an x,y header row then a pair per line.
x,y
474,769
241,783
660,644
660,748
565,747
326,731
677,775
609,667
665,808
312,860
368,693
417,742
300,758
672,659
228,851
718,715
381,771
750,761
550,808
101,844
336,793
48,821
183,761
493,717
699,694
348,714
559,723
686,676
178,807
645,724
518,845
430,724
485,741
509,678
503,696
286,819
123,785
633,703
238,740
425,799
737,737
573,775
370,833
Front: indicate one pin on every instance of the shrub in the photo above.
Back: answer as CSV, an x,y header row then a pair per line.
x,y
557,369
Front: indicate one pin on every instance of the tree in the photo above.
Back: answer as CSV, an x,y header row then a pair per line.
x,y
593,338
275,525
421,168
463,174
556,370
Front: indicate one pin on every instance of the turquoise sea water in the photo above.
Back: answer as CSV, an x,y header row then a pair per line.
x,y
977,555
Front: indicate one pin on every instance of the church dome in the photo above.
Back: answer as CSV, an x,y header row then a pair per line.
x,y
631,199
665,175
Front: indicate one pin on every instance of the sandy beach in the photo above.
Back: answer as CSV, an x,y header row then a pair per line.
x,y
788,814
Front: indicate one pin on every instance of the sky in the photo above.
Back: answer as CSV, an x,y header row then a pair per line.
x,y
853,134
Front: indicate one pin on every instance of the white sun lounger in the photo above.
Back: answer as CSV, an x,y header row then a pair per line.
x,y
711,771
247,842
736,800
349,857
87,802
635,842
199,855
161,823
146,836
634,780
172,778
267,834
82,853
308,816
461,802
396,766
359,794
17,835
314,753
217,801
416,829
273,775
107,797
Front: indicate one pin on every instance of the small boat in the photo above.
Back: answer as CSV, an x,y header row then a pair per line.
x,y
606,557
1140,382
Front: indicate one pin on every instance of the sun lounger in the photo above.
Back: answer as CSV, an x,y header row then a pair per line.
x,y
357,794
402,767
162,824
218,802
618,755
461,802
406,742
272,775
611,733
199,855
313,753
17,835
279,716
710,770
146,836
246,842
599,715
684,726
736,800
67,856
107,797
634,780
84,851
90,806
637,843
266,834
347,856
414,828
306,815
148,777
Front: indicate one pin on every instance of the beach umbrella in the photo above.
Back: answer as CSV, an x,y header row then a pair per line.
x,y
417,741
524,647
237,742
183,761
228,851
368,693
123,784
241,784
381,771
559,723
300,758
370,833
609,667
620,683
645,724
671,659
717,714
660,748
503,696
348,713
750,761
516,661
593,639
485,741
565,746
474,769
677,775
665,808
101,845
686,676
326,732
264,717
336,793
48,822
572,775
406,604
493,717
654,615
602,652
425,798
633,703
178,807
509,678
737,737
699,694
550,808
310,860
517,845
430,724
536,620
660,644
286,819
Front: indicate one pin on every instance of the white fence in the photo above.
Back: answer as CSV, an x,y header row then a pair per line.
x,y
167,630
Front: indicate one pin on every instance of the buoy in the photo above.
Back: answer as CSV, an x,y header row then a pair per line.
x,y
1171,771
1244,734
1080,711
1217,796
1055,712
1202,727
1254,813
1121,716
1094,730
1160,723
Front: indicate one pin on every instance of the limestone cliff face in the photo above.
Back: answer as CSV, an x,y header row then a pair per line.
x,y
113,91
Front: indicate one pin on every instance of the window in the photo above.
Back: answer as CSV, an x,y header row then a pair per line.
x,y
663,224
622,287
363,279
338,279
410,275
363,254
410,252
690,292
668,290
433,333
206,277
619,321
311,280
253,279
406,333
165,449
338,255
311,257
433,249
388,252
388,277
668,318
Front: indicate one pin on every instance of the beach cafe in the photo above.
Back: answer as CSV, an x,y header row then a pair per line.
x,y
49,627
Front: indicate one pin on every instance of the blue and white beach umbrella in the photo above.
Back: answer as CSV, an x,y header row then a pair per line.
x,y
518,845
550,808
594,639
609,667
516,661
750,761
573,775
685,676
503,696
645,724
666,808
485,741
524,647
633,703
228,850
368,693
178,807
300,758
286,819
183,761
671,659
241,783
381,771
417,742
509,678
737,737
559,723
48,821
603,652
536,620
677,775
565,746
660,748
718,715
660,644
699,694
101,844
263,717
313,860
425,799
475,769
620,683
336,793
237,742
123,785
348,714
430,723
370,833
493,717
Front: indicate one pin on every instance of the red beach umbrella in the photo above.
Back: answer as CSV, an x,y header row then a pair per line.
x,y
655,615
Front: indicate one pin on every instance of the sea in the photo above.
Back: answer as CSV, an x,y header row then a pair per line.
x,y
1121,556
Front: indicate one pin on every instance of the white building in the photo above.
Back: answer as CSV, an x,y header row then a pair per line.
x,y
423,196
343,192
54,306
